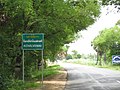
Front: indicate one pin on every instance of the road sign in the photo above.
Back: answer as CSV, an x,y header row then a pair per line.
x,y
33,41
115,59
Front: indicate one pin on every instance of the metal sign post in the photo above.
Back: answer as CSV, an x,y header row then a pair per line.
x,y
42,69
23,65
33,41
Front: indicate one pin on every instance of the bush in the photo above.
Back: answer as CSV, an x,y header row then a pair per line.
x,y
4,82
69,57
16,85
78,56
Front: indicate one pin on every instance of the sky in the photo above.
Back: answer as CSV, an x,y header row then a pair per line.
x,y
106,20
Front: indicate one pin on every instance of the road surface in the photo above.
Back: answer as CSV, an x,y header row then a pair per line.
x,y
82,77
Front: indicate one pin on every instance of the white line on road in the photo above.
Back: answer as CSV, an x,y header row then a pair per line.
x,y
118,81
97,82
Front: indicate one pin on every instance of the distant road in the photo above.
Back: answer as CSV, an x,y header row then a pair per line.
x,y
82,77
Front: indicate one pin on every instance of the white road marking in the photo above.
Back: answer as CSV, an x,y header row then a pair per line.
x,y
118,81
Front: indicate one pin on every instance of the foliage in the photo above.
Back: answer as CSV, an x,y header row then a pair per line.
x,y
75,53
92,63
115,3
110,2
108,42
36,75
51,70
69,57
62,54
16,84
73,56
118,22
19,85
4,82
78,56
59,20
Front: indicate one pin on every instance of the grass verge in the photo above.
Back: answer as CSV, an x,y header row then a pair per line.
x,y
36,76
51,70
90,62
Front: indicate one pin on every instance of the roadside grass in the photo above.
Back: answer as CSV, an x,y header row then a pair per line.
x,y
110,66
19,85
31,85
90,62
36,76
50,70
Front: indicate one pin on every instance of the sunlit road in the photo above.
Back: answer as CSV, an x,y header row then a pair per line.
x,y
82,77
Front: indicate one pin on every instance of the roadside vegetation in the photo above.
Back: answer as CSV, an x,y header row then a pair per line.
x,y
106,44
59,20
35,80
91,60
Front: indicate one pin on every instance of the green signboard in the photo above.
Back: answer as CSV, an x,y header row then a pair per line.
x,y
33,41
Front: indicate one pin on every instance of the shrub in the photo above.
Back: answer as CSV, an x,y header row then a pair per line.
x,y
69,57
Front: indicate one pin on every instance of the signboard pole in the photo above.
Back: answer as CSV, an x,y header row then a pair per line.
x,y
42,69
33,41
23,65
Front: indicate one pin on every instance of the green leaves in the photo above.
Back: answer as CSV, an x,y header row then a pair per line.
x,y
110,2
108,41
59,20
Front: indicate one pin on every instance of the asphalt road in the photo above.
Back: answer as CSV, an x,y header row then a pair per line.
x,y
82,77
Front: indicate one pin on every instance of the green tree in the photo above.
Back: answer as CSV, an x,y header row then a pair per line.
x,y
78,56
110,2
75,53
107,42
59,20
69,56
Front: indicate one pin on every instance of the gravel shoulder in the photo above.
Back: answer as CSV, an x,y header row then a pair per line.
x,y
55,82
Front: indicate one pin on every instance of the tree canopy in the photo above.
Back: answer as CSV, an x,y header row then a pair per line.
x,y
108,42
111,2
59,20
115,3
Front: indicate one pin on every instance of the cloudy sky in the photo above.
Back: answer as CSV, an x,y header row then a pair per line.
x,y
107,20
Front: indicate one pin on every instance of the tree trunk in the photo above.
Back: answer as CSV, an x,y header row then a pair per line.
x,y
100,63
97,58
18,70
100,60
39,64
104,58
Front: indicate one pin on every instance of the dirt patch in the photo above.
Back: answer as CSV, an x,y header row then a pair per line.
x,y
55,82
